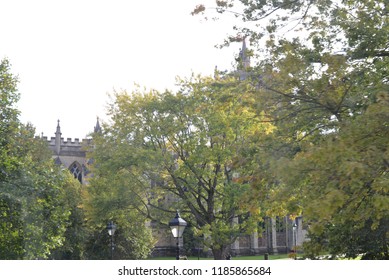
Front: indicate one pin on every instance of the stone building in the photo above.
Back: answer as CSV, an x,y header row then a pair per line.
x,y
71,153
275,235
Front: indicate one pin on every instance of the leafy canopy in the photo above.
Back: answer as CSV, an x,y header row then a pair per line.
x,y
180,151
322,78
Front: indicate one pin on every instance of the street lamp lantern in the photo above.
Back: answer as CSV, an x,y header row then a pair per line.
x,y
177,225
111,227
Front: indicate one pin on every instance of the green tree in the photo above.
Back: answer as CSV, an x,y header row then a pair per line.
x,y
109,196
322,78
180,151
75,236
10,209
8,118
347,178
33,210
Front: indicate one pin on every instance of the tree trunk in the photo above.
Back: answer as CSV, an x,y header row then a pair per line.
x,y
220,253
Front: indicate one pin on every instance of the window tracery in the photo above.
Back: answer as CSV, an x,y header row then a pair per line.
x,y
76,170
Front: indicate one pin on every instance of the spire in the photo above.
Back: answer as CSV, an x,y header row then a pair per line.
x,y
243,55
58,139
244,61
97,128
216,73
58,128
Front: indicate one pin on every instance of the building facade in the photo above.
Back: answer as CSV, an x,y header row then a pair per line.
x,y
71,153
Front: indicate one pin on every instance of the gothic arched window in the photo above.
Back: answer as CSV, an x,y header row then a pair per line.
x,y
76,170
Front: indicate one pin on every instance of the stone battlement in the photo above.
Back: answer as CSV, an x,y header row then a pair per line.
x,y
68,142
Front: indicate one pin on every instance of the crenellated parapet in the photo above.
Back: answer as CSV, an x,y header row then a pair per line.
x,y
68,147
71,153
68,141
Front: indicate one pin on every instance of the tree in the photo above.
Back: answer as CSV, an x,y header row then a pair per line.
x,y
8,117
33,212
75,235
108,197
347,181
180,151
357,28
8,121
322,78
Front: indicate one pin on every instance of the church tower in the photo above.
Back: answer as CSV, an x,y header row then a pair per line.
x,y
71,153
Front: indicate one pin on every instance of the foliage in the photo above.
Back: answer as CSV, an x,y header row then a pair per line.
x,y
179,151
35,214
132,239
358,28
8,118
75,235
109,197
322,78
347,178
33,211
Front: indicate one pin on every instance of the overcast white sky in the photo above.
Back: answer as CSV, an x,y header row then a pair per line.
x,y
70,54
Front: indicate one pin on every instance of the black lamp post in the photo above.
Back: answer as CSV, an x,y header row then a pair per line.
x,y
295,239
111,227
177,225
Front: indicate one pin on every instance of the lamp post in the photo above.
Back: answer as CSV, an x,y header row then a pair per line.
x,y
177,225
295,239
111,227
